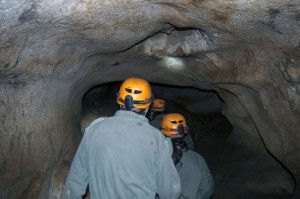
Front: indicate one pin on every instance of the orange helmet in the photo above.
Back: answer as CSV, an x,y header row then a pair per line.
x,y
158,105
135,93
174,125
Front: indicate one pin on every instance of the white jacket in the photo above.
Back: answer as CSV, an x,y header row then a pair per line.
x,y
123,157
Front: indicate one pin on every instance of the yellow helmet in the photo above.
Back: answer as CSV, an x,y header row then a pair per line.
x,y
174,125
135,93
158,105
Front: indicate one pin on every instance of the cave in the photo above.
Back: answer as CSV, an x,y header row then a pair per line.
x,y
232,67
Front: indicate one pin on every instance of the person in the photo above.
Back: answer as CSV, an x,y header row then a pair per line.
x,y
123,157
196,179
158,110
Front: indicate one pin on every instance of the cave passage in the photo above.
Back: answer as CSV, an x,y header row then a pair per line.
x,y
240,170
231,67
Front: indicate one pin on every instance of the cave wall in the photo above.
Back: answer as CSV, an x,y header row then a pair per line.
x,y
34,134
52,52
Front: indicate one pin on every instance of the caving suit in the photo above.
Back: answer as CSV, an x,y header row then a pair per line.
x,y
196,179
123,157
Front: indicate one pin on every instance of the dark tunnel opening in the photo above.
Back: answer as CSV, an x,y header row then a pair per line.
x,y
100,101
240,170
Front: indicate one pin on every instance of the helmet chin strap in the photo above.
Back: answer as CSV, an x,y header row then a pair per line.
x,y
146,111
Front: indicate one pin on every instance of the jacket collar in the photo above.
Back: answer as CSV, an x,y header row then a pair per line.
x,y
130,114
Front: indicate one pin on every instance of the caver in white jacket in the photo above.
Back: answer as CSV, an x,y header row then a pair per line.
x,y
123,157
